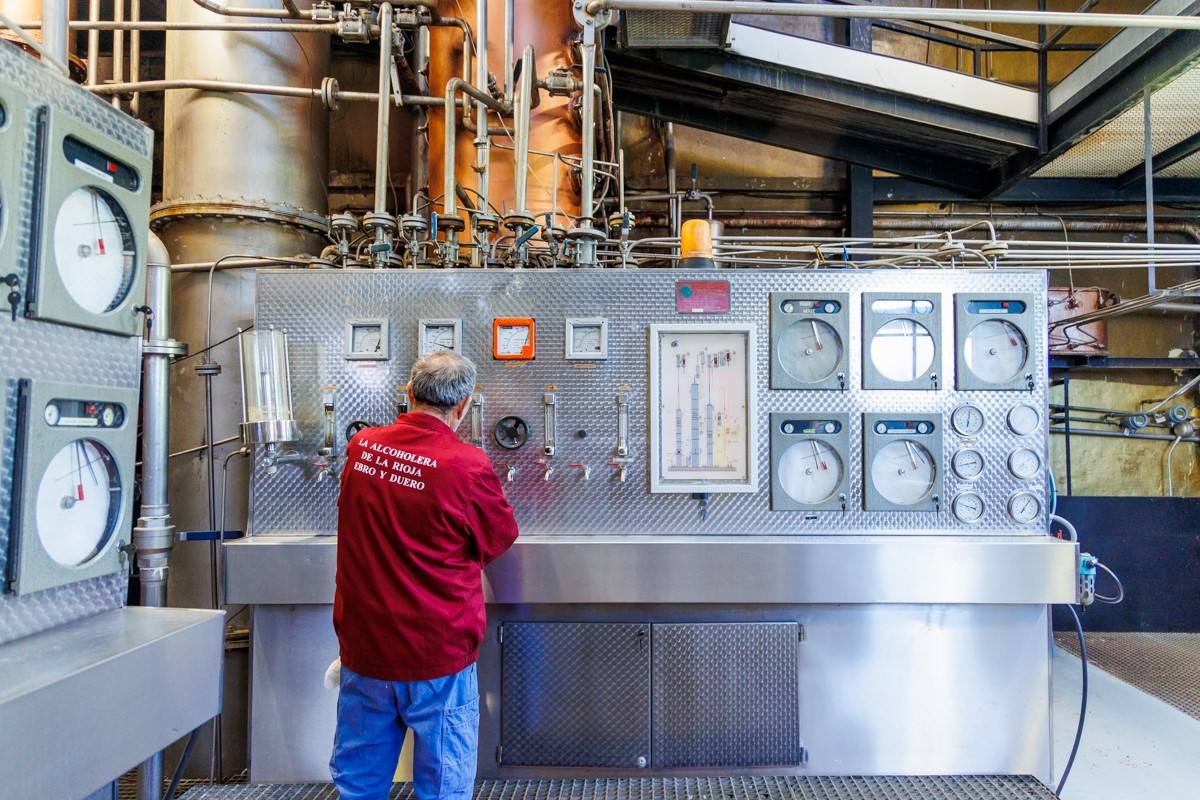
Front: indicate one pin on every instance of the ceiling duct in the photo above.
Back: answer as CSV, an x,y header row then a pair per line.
x,y
673,29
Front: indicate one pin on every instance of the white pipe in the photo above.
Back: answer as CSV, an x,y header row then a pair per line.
x,y
54,30
93,44
1070,19
588,187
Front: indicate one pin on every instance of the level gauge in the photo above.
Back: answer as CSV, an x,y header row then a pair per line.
x,y
1024,420
968,507
511,433
810,471
586,339
1024,463
903,472
902,350
94,250
1024,508
809,350
967,464
996,351
967,420
440,334
78,502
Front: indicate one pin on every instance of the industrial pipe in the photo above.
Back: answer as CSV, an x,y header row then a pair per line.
x,y
587,208
118,49
154,534
317,93
93,44
524,103
1071,19
280,13
383,119
151,25
453,87
54,30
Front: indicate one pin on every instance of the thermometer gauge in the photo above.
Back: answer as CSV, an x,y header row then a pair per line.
x,y
967,464
810,471
1023,420
78,502
996,351
903,472
810,350
1024,463
967,420
94,250
1024,508
968,507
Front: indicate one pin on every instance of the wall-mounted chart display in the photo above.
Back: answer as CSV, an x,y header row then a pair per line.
x,y
75,449
902,336
809,461
902,462
703,435
992,341
90,268
808,340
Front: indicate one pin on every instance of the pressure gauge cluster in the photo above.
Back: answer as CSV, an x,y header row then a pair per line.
x,y
809,461
75,451
89,269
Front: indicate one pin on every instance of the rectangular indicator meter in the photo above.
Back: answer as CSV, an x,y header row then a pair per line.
x,y
514,338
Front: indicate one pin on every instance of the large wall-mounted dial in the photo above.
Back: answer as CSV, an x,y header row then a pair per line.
x,y
902,462
73,490
993,335
902,335
809,461
808,340
92,231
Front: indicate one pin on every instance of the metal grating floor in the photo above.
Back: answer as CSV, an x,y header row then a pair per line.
x,y
1165,665
939,787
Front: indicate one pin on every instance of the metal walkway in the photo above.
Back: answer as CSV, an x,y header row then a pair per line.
x,y
941,787
1165,665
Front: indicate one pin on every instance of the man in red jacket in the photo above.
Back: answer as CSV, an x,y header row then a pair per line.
x,y
419,516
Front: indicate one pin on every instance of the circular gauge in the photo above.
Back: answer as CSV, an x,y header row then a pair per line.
x,y
810,350
996,351
1024,507
1023,420
51,414
511,433
108,416
78,502
968,507
94,250
902,350
810,471
903,472
967,464
1024,463
967,420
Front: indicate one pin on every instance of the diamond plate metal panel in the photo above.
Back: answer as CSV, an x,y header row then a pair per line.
x,y
1119,145
313,306
939,787
575,694
57,353
1166,665
726,694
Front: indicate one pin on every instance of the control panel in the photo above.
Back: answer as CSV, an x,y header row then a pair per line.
x,y
823,402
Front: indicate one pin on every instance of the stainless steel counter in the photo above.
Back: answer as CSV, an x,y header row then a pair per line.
x,y
299,570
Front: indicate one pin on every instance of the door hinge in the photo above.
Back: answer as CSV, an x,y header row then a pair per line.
x,y
804,756
801,634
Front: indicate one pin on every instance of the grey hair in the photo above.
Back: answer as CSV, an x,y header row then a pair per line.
x,y
442,379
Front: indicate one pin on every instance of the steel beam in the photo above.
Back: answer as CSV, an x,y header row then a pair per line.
x,y
1067,191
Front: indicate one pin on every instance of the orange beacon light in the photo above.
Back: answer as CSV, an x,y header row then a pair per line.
x,y
695,245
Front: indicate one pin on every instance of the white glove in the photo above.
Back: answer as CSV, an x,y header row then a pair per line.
x,y
333,675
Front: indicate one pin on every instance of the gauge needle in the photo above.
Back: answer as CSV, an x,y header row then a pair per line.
x,y
816,334
96,215
912,454
817,455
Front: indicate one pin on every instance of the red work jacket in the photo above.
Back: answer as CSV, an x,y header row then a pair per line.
x,y
419,515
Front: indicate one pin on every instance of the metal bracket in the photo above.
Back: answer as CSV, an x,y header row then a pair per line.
x,y
1087,579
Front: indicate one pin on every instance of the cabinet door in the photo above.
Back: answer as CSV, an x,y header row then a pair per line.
x,y
726,695
575,694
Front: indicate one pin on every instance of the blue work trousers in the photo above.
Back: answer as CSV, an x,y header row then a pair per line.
x,y
372,718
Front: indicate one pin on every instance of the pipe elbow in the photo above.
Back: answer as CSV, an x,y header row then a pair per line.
x,y
156,252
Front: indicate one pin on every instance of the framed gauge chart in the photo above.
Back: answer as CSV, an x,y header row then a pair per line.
x,y
703,435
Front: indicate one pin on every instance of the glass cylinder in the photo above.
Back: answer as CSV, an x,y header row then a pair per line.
x,y
266,387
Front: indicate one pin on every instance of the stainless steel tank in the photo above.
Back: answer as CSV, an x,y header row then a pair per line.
x,y
242,174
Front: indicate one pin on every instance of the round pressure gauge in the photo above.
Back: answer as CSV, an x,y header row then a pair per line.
x,y
94,250
968,507
967,420
51,414
996,351
1023,420
810,350
511,433
1024,508
902,350
810,471
78,502
967,464
1024,463
903,472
